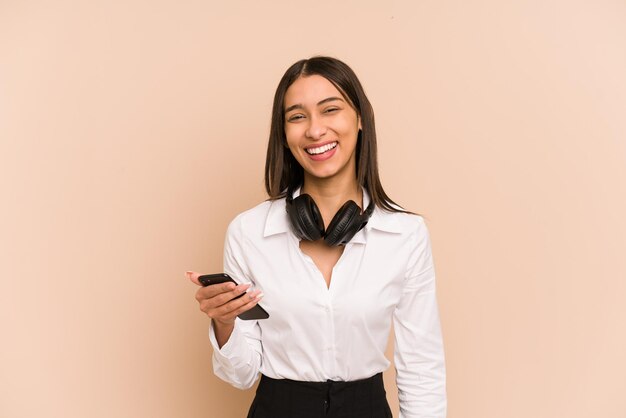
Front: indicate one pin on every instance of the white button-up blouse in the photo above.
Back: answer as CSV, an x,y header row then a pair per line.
x,y
315,333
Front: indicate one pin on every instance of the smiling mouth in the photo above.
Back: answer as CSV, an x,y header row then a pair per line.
x,y
322,149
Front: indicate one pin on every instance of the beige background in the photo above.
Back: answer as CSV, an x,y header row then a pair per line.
x,y
132,132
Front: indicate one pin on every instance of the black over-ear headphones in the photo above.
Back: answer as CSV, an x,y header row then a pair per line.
x,y
308,224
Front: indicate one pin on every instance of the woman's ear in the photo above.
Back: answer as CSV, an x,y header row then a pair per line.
x,y
359,120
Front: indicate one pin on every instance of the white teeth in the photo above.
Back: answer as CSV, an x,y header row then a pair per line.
x,y
322,149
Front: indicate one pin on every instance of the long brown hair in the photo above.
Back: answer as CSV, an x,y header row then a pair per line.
x,y
283,172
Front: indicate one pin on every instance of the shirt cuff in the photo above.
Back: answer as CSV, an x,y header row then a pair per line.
x,y
228,350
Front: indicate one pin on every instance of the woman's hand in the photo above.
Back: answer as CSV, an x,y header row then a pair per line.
x,y
217,300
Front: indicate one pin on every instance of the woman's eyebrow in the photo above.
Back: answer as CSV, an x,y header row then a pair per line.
x,y
329,99
321,102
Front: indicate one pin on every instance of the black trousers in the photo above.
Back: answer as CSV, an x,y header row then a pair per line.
x,y
293,399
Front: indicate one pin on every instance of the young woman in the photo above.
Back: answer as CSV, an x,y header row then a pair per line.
x,y
334,261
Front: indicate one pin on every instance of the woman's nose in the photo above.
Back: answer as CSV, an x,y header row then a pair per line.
x,y
316,129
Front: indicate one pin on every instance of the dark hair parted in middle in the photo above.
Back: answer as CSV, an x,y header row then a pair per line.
x,y
283,172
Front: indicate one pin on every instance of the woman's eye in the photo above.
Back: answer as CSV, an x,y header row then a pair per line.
x,y
331,110
294,118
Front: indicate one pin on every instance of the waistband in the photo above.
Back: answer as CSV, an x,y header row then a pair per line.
x,y
377,378
290,398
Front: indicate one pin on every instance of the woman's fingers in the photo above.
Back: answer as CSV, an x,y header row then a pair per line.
x,y
226,308
224,301
236,307
220,293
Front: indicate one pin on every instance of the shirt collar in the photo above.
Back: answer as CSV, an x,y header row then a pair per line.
x,y
277,221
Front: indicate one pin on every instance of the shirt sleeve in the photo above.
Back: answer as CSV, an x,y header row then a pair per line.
x,y
239,360
419,353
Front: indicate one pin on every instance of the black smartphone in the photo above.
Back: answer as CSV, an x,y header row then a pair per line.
x,y
256,312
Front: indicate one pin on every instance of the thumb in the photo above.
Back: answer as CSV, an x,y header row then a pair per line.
x,y
193,276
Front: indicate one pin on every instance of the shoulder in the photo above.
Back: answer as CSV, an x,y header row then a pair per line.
x,y
252,222
398,222
252,216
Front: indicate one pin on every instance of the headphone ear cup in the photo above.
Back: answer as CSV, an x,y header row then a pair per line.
x,y
344,225
306,218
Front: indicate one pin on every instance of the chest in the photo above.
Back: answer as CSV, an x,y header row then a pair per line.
x,y
324,257
358,283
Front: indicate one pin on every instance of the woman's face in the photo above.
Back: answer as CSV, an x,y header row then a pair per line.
x,y
321,128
